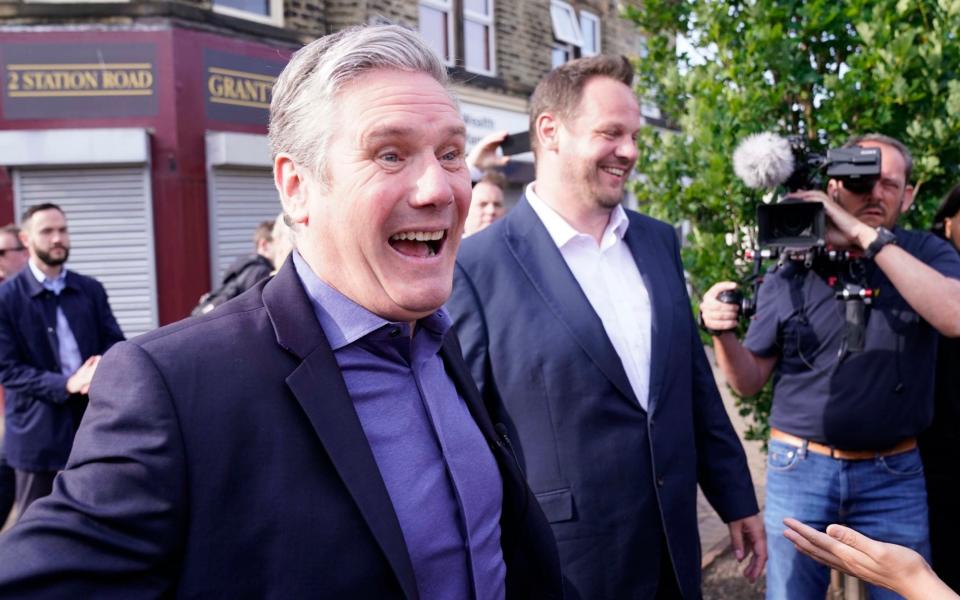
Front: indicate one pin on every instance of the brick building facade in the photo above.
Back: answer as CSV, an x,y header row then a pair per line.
x,y
146,119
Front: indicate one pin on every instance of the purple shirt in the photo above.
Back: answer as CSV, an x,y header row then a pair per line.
x,y
441,476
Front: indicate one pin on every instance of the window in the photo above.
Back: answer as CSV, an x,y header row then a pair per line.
x,y
472,43
478,38
590,31
262,11
561,53
436,27
573,36
566,27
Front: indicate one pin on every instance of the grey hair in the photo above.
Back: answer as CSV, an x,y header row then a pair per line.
x,y
303,109
880,138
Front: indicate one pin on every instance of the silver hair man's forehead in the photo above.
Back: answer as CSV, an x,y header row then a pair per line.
x,y
305,94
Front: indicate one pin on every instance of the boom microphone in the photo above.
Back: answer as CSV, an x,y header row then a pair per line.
x,y
763,160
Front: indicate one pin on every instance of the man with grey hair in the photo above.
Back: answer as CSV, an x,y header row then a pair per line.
x,y
319,436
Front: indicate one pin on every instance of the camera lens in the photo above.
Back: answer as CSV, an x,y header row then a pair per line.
x,y
795,221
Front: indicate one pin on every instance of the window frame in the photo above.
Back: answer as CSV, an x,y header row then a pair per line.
x,y
567,47
559,9
447,7
586,15
274,18
483,20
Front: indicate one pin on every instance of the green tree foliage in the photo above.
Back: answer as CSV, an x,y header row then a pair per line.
x,y
821,69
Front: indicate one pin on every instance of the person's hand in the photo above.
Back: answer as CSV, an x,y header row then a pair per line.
x,y
79,382
717,315
843,229
889,565
749,538
483,156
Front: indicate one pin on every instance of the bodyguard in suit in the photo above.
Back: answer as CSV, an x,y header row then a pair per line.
x,y
319,436
574,313
54,325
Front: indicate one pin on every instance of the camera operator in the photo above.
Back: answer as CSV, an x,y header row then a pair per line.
x,y
844,421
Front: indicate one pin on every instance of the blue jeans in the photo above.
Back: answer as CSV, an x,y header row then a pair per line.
x,y
883,497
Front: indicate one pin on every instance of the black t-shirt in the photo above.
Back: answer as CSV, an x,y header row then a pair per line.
x,y
853,400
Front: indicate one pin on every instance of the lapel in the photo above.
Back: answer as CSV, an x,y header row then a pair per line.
x,y
319,388
542,263
460,374
653,265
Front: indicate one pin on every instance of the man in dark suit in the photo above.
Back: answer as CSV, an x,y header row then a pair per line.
x,y
54,325
319,436
574,313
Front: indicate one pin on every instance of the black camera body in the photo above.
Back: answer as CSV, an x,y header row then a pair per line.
x,y
792,224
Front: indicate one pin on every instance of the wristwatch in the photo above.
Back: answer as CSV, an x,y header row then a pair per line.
x,y
884,237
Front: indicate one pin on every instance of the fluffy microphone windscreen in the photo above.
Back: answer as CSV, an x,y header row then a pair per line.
x,y
763,160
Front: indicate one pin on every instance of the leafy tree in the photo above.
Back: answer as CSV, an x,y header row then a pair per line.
x,y
820,69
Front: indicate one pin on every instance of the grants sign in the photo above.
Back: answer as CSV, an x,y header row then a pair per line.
x,y
239,88
44,81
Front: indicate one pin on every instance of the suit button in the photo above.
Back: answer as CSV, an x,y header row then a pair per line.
x,y
395,332
660,481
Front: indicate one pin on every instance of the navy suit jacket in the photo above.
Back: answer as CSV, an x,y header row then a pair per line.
x,y
611,477
222,457
41,417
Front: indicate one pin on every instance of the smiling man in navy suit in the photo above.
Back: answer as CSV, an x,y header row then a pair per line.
x,y
319,436
574,313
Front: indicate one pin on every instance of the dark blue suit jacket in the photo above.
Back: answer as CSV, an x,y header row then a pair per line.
x,y
41,417
610,477
222,457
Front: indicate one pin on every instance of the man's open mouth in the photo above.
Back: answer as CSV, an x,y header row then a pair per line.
x,y
419,244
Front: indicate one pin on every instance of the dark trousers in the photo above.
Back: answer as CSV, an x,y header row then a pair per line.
x,y
940,455
32,485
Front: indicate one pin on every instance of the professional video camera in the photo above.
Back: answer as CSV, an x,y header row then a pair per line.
x,y
767,161
791,228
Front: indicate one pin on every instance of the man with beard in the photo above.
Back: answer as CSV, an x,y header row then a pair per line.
x,y
845,415
54,325
574,313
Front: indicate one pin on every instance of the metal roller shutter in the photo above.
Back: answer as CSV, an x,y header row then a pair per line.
x,y
109,213
239,200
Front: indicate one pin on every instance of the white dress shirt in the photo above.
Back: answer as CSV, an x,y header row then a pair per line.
x,y
611,281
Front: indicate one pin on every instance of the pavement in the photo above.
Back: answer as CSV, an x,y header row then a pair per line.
x,y
714,535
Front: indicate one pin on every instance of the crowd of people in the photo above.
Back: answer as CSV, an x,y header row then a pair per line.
x,y
386,413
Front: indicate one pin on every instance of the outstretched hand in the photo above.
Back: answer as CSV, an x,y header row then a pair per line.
x,y
894,567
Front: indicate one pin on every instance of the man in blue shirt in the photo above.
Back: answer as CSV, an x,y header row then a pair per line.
x,y
319,436
54,325
844,421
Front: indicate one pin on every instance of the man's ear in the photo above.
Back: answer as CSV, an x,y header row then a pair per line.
x,y
24,237
547,128
909,193
291,181
832,188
